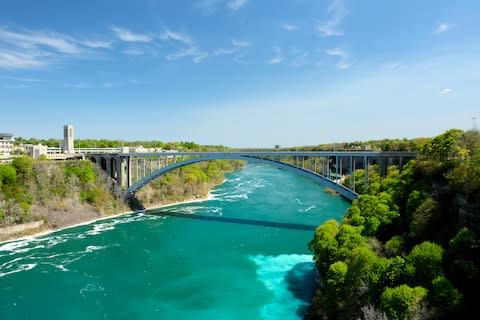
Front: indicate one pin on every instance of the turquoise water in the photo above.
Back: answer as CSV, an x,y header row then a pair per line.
x,y
142,266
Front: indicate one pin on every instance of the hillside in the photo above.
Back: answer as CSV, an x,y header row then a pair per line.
x,y
409,247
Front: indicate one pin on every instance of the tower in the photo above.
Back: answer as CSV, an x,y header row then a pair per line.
x,y
68,139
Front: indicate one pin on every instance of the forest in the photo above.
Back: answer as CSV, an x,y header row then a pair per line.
x,y
408,248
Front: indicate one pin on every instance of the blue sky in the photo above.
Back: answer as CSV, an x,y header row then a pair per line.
x,y
239,72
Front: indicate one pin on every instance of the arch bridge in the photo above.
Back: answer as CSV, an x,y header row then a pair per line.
x,y
132,171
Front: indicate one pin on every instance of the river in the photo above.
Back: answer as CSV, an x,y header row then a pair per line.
x,y
238,265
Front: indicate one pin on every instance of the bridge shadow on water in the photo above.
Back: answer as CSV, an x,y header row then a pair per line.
x,y
253,222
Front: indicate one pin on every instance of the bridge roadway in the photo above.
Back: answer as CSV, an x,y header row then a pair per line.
x,y
132,171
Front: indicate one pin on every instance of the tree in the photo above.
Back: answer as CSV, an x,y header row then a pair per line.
x,y
24,167
445,296
324,244
335,287
425,220
399,302
424,263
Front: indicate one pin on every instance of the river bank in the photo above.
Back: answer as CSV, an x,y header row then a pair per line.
x,y
41,228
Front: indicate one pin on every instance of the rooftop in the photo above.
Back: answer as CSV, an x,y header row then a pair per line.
x,y
6,135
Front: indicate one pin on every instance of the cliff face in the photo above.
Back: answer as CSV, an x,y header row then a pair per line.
x,y
468,211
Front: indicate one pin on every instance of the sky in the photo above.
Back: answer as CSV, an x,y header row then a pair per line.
x,y
241,73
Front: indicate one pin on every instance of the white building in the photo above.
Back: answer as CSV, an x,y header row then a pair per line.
x,y
6,145
68,143
35,151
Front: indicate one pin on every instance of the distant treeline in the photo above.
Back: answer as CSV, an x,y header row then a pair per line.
x,y
415,144
105,143
409,246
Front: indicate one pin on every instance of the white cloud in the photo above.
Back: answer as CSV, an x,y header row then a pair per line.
x,y
176,36
236,4
16,60
278,57
289,27
97,44
36,40
128,36
446,91
443,27
27,49
197,56
336,11
239,43
336,52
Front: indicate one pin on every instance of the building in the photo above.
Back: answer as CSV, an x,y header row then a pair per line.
x,y
68,143
35,151
6,145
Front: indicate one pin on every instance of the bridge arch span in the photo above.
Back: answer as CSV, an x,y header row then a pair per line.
x,y
342,190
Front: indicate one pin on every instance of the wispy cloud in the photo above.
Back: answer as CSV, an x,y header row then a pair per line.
x,y
38,40
289,27
337,52
336,11
236,4
343,55
443,27
27,49
240,43
128,36
176,36
446,91
17,60
97,44
277,57
196,55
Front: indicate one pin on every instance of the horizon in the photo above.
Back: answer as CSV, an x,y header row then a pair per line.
x,y
239,73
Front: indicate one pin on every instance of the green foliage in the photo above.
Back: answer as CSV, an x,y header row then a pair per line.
x,y
399,302
335,287
441,147
462,261
395,246
465,177
424,263
373,212
24,167
415,208
187,182
425,220
8,175
325,244
82,169
446,296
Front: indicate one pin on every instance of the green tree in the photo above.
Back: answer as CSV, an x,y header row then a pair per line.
x,y
335,287
399,302
446,297
424,263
